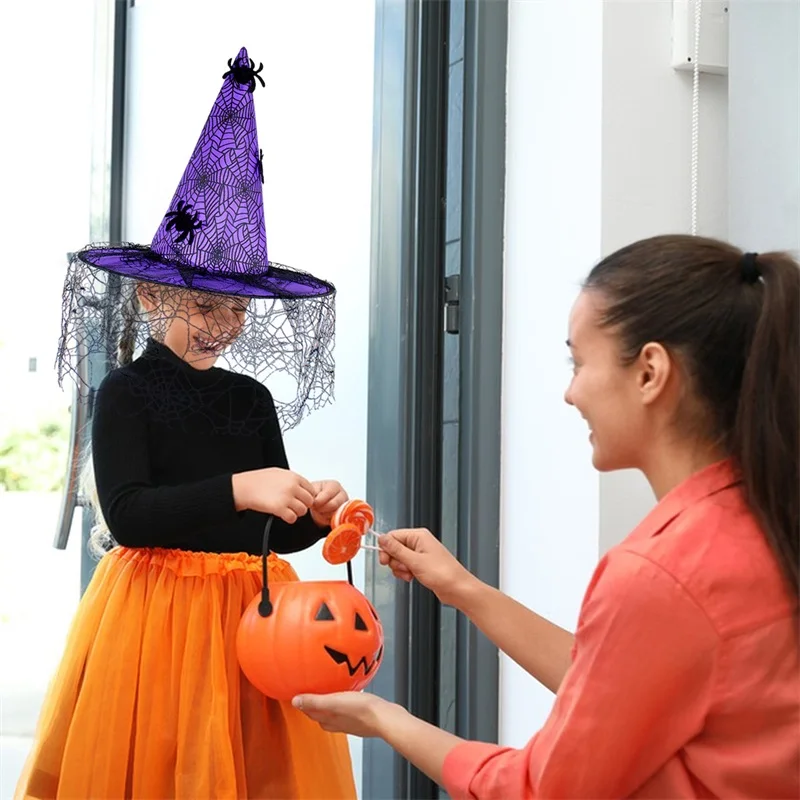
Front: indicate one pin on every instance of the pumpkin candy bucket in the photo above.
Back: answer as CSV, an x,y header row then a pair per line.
x,y
314,637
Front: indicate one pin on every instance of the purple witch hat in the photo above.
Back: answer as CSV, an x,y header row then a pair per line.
x,y
213,237
212,240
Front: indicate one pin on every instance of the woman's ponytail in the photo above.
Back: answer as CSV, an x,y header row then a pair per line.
x,y
766,440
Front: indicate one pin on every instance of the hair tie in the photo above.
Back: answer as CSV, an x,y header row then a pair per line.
x,y
749,267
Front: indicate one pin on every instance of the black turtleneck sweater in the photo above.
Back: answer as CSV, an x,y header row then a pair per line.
x,y
165,483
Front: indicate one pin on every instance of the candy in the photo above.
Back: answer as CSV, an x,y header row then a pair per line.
x,y
350,523
342,543
355,512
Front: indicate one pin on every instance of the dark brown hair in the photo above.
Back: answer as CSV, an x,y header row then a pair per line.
x,y
733,321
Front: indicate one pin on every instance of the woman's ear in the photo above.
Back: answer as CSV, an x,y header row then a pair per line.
x,y
655,369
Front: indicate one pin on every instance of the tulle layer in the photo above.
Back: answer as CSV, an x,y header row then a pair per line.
x,y
149,701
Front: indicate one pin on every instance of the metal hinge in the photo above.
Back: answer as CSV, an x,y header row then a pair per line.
x,y
452,296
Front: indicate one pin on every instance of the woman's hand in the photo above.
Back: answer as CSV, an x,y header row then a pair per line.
x,y
417,553
276,491
329,496
366,715
356,713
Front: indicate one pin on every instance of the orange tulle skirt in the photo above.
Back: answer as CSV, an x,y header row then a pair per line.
x,y
149,701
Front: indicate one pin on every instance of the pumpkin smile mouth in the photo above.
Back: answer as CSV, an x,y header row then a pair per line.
x,y
343,658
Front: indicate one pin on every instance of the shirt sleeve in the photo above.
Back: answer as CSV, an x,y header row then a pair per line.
x,y
638,689
304,533
138,513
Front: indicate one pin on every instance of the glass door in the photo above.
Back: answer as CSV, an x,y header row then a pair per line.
x,y
54,171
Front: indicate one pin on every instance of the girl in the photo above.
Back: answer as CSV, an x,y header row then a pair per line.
x,y
149,701
682,678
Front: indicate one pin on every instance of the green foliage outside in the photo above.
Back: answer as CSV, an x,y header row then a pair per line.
x,y
33,458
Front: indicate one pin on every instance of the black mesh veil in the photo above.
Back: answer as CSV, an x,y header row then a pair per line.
x,y
283,343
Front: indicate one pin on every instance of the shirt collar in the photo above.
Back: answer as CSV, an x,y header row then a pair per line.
x,y
708,481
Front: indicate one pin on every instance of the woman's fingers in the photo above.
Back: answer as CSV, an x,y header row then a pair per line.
x,y
400,570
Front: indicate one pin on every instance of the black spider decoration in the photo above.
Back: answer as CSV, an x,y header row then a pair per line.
x,y
185,220
244,74
261,165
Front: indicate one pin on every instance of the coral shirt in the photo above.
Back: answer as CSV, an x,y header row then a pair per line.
x,y
685,678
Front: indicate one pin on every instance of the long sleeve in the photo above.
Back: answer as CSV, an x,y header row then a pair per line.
x,y
138,513
639,688
304,533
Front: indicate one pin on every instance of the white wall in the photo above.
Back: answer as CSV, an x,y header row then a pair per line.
x,y
549,500
647,123
599,138
764,132
315,127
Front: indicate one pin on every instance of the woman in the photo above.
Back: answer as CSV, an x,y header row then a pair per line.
x,y
682,678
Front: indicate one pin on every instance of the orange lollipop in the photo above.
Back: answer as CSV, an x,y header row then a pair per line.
x,y
350,524
342,543
354,512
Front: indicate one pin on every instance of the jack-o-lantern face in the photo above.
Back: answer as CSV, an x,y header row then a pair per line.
x,y
321,637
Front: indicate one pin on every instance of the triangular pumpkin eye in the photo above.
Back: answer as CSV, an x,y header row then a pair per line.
x,y
324,614
360,624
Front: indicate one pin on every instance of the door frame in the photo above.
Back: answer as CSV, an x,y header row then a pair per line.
x,y
410,146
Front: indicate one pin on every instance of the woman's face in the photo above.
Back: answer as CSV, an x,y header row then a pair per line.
x,y
607,393
199,326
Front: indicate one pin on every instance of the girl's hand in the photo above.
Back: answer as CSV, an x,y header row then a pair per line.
x,y
356,713
419,554
276,491
329,496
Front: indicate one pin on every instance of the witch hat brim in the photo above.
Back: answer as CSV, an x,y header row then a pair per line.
x,y
141,263
213,236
